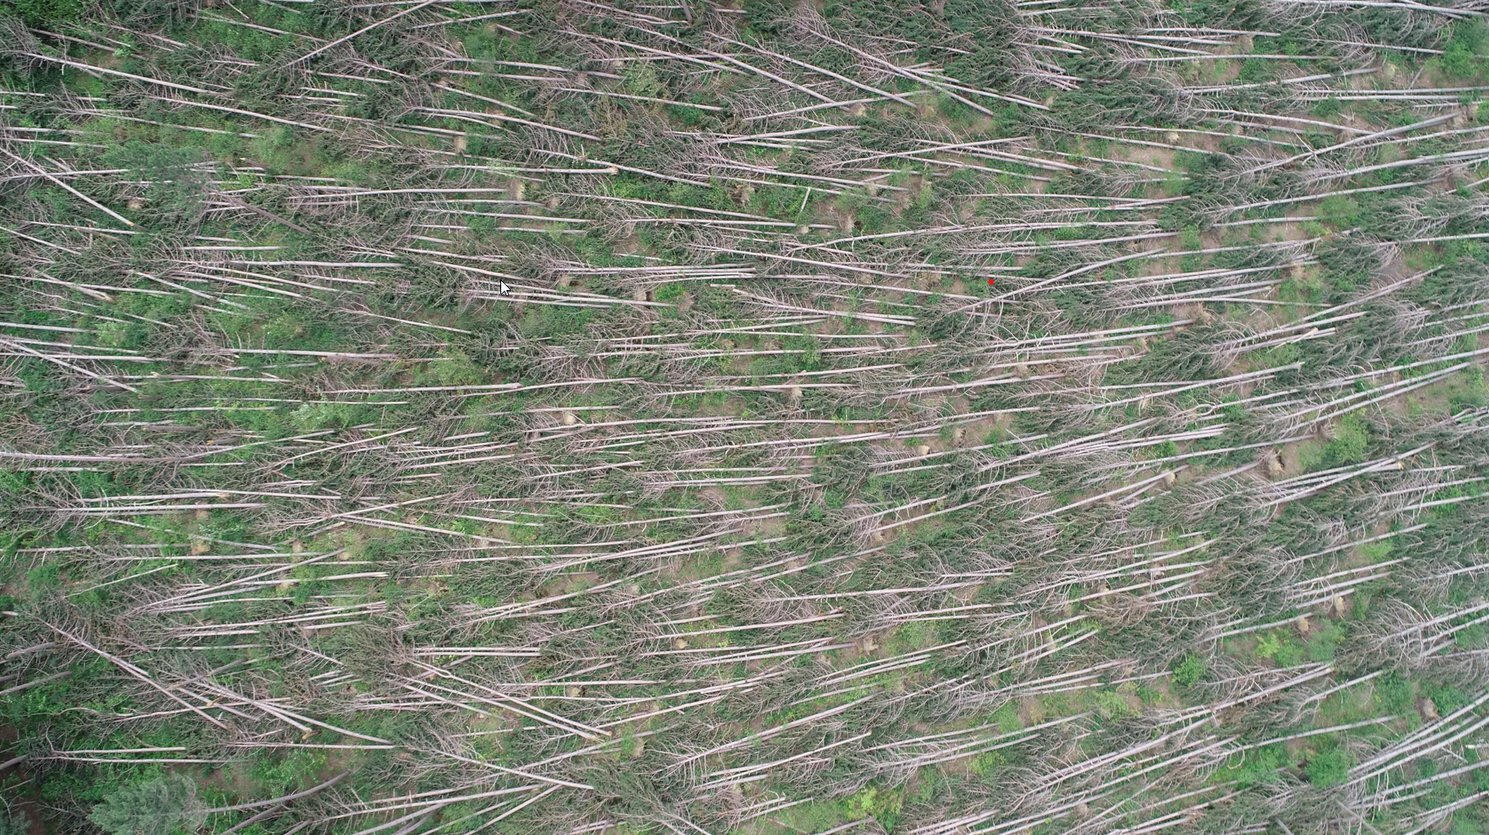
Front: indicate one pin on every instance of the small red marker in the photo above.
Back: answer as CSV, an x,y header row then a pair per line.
x,y
990,282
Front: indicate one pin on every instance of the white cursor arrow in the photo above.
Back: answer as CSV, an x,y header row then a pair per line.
x,y
505,290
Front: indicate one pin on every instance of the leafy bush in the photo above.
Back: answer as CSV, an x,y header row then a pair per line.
x,y
1393,694
1279,647
158,807
1350,443
1328,768
1190,670
883,805
1466,55
43,14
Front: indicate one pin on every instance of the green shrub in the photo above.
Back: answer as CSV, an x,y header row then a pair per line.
x,y
1466,55
1393,694
158,807
883,805
1350,444
1324,640
1279,647
1259,766
1328,768
1190,670
43,14
1110,704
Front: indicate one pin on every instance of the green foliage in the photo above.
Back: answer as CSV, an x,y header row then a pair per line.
x,y
1190,670
1343,212
952,477
45,14
1393,694
881,804
670,293
911,636
1348,261
1350,443
282,773
1324,636
1446,698
1120,96
1110,704
1259,766
989,765
455,368
1181,357
1466,54
163,806
1280,647
1329,767
311,417
1233,14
